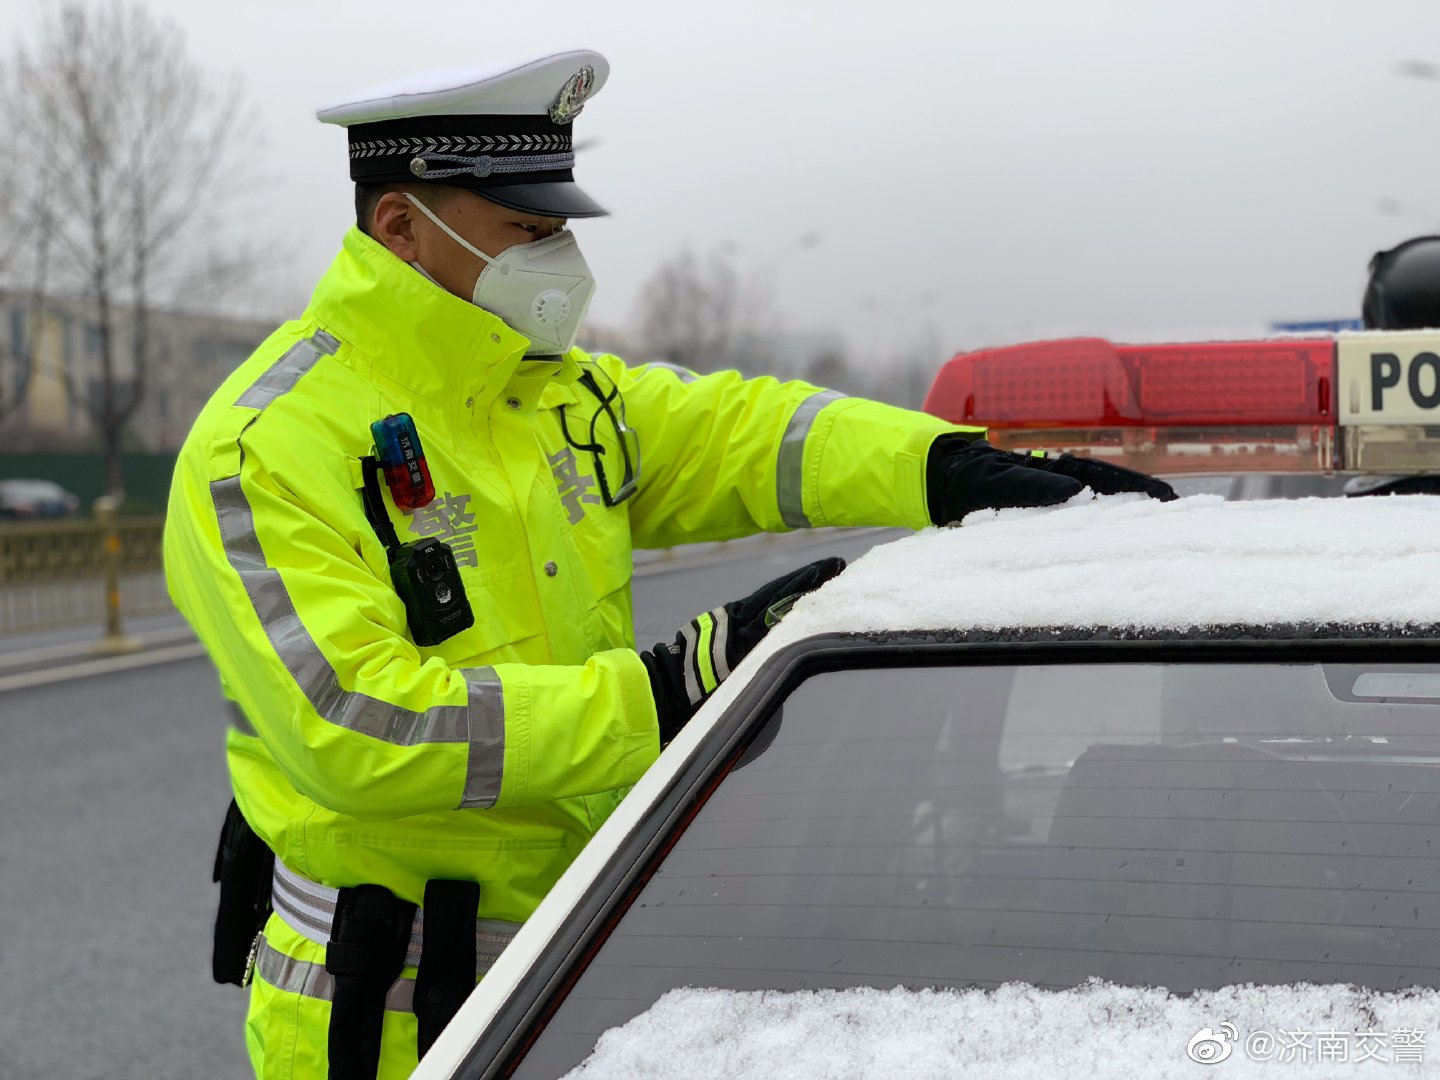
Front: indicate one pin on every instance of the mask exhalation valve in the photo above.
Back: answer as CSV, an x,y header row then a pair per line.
x,y
552,307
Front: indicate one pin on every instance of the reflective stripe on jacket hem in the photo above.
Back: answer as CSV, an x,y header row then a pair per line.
x,y
308,908
313,981
480,722
790,466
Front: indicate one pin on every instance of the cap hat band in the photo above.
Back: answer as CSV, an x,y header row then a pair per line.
x,y
460,144
424,166
478,147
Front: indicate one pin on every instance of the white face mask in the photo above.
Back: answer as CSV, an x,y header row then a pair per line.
x,y
541,289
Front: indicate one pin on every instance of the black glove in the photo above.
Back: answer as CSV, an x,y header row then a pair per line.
x,y
684,674
962,476
1395,485
1103,478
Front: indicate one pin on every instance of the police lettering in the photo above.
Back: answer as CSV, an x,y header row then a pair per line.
x,y
1385,371
1424,400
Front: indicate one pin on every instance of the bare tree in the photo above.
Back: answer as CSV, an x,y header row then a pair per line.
x,y
702,313
17,355
119,137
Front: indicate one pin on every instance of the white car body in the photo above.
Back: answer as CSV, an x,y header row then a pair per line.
x,y
1331,567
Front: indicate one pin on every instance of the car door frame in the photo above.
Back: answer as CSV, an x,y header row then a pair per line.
x,y
510,1007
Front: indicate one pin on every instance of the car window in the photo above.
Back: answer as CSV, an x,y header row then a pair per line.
x,y
1184,826
1268,486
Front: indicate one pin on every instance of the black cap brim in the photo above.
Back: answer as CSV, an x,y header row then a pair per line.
x,y
561,199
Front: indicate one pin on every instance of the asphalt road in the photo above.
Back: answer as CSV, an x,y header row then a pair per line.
x,y
112,788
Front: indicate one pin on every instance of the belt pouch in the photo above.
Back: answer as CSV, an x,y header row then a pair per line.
x,y
243,867
366,954
446,974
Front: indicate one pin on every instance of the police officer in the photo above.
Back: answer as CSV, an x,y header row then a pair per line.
x,y
1403,292
403,530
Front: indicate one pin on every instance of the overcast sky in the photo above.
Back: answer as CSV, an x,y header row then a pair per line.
x,y
1037,166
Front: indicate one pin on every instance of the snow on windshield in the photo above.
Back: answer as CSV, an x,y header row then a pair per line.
x,y
1024,1033
1127,561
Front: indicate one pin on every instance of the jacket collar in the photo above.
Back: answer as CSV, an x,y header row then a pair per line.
x,y
407,330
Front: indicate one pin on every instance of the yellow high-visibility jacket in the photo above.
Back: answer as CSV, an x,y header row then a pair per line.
x,y
494,756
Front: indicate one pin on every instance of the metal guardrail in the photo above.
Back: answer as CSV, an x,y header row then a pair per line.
x,y
54,573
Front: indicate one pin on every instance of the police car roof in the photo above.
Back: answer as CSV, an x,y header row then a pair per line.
x,y
1126,561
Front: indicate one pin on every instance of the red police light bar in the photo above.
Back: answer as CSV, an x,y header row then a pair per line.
x,y
1088,382
1212,407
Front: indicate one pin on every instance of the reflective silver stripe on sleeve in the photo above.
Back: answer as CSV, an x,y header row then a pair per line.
x,y
719,641
313,981
790,467
480,722
483,713
692,681
280,377
317,680
485,768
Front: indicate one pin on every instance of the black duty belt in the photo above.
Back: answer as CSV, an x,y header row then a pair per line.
x,y
371,941
370,937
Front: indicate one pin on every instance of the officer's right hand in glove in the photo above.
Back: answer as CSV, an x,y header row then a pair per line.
x,y
684,674
963,476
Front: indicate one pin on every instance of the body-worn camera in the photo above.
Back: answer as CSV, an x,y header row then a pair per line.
x,y
423,572
428,582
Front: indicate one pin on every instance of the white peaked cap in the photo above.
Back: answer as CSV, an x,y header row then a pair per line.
x,y
502,131
528,89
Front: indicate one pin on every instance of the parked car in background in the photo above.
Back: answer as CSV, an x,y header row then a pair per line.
x,y
26,500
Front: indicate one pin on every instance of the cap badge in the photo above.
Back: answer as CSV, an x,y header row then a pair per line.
x,y
572,95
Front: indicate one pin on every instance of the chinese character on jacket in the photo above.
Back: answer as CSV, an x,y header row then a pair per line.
x,y
573,486
447,518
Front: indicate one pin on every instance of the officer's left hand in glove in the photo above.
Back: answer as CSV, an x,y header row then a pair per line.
x,y
963,476
684,674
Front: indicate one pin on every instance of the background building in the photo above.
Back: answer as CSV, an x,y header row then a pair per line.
x,y
50,369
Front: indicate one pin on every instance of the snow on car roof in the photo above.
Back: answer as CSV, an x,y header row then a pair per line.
x,y
1019,1032
1128,561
